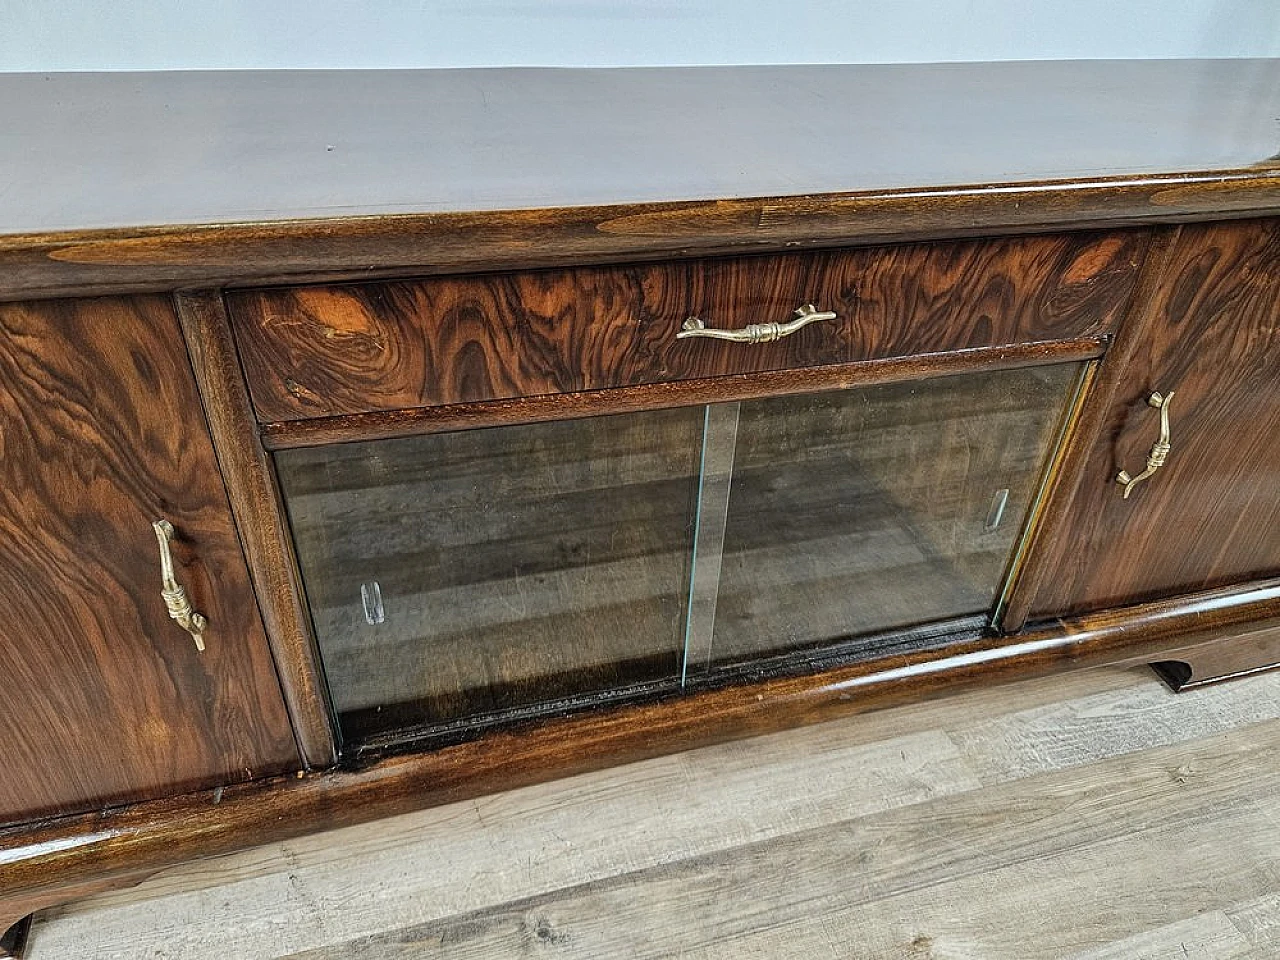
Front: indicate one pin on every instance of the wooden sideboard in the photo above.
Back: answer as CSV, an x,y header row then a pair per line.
x,y
377,440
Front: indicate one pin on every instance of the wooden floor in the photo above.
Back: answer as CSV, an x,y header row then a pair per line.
x,y
1093,815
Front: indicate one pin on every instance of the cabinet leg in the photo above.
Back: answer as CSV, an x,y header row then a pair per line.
x,y
14,940
1231,657
17,907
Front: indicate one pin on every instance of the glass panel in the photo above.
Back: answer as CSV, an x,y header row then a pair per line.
x,y
487,574
477,573
719,439
869,510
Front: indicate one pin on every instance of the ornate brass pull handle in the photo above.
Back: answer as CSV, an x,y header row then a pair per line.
x,y
756,332
1159,450
175,597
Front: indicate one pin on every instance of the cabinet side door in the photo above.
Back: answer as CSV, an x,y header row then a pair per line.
x,y
1209,515
108,700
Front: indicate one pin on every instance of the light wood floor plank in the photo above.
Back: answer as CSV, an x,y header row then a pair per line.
x,y
1039,867
1209,934
1107,723
1259,921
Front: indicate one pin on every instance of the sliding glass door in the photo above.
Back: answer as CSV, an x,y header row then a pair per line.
x,y
860,512
465,578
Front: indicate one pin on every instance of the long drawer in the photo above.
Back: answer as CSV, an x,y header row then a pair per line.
x,y
356,348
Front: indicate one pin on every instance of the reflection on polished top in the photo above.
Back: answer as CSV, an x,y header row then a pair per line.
x,y
123,150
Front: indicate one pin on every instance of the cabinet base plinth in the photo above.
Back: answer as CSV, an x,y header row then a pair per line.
x,y
14,940
1238,656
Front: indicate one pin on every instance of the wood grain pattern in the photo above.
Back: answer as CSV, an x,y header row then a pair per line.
x,y
42,860
95,262
926,881
327,351
1210,516
1079,855
14,911
1069,163
277,176
260,518
101,432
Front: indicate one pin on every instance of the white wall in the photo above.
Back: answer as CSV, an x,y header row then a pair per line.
x,y
186,34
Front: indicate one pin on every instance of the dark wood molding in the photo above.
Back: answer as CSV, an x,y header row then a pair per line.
x,y
403,423
259,516
348,248
1254,651
50,862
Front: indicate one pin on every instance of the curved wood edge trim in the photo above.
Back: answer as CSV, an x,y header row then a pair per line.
x,y
139,259
385,425
16,912
13,937
54,859
259,515
1250,652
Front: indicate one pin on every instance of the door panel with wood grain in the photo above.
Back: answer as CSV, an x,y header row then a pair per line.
x,y
107,700
1210,515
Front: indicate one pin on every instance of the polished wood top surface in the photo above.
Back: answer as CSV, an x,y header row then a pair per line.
x,y
107,150
115,183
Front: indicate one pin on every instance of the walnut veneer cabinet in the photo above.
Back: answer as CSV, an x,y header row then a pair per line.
x,y
375,440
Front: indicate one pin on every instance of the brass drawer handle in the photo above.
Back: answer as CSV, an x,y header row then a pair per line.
x,y
756,332
1159,450
175,597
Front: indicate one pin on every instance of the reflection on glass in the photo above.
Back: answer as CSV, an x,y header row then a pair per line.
x,y
480,572
719,441
863,511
